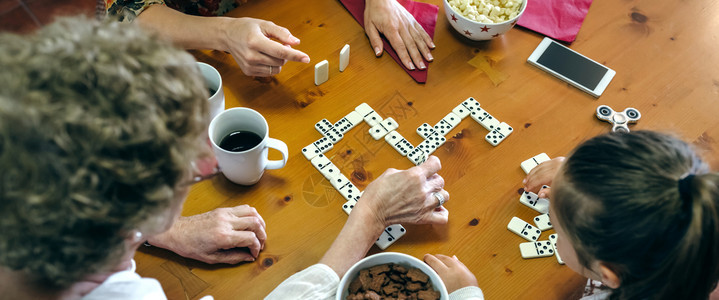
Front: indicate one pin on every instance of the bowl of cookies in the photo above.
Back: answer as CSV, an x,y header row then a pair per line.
x,y
480,20
391,275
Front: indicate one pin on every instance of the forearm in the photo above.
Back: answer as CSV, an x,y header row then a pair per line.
x,y
187,31
357,236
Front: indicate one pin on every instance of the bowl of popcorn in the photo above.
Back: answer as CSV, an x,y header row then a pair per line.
x,y
391,275
483,19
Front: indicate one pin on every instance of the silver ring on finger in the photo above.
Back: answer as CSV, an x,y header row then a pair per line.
x,y
440,199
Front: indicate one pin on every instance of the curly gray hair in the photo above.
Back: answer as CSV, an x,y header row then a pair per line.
x,y
98,124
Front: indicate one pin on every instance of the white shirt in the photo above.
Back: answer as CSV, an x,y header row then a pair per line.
x,y
129,285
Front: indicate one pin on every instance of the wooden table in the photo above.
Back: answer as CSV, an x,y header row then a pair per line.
x,y
665,56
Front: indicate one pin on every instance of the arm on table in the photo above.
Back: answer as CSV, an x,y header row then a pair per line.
x,y
394,197
248,40
225,235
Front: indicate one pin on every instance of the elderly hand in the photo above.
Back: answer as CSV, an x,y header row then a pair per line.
x,y
225,235
407,196
403,32
250,43
541,175
453,272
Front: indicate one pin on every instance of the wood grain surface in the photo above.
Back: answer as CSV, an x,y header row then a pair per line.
x,y
665,56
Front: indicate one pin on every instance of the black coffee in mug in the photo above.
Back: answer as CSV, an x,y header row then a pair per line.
x,y
212,91
238,141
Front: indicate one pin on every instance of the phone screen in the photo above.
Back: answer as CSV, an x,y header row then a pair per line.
x,y
573,66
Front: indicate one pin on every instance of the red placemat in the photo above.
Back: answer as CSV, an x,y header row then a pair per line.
x,y
424,13
558,19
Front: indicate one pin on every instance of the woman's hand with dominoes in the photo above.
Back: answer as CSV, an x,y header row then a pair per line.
x,y
260,47
407,196
403,32
541,176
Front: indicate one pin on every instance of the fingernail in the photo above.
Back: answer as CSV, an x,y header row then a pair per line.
x,y
410,66
306,59
377,51
421,65
541,195
296,40
431,44
524,181
455,257
430,57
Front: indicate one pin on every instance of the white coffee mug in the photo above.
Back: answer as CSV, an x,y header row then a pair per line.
x,y
213,81
245,167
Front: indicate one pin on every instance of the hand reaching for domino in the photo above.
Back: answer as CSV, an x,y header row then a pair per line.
x,y
542,175
408,196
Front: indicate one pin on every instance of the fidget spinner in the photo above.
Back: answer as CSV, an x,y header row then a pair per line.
x,y
620,119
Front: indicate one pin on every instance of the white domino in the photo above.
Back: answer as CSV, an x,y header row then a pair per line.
x,y
534,202
543,222
371,117
536,249
383,128
447,124
498,135
348,206
529,164
471,104
432,143
344,57
311,151
345,187
323,126
425,130
318,147
461,111
323,144
348,122
399,143
417,156
322,72
485,119
390,235
553,240
524,229
326,167
328,130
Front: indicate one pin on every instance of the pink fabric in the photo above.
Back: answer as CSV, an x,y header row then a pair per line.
x,y
558,19
424,13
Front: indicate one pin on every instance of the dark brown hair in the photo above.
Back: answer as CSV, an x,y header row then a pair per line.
x,y
620,204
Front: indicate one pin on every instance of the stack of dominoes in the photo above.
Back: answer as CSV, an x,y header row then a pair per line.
x,y
434,137
535,248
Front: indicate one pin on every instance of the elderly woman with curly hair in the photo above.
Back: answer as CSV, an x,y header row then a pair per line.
x,y
100,124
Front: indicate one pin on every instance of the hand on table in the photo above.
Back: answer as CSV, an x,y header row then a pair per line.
x,y
541,175
407,196
224,235
403,32
453,272
250,41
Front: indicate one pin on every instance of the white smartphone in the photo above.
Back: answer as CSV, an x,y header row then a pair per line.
x,y
572,67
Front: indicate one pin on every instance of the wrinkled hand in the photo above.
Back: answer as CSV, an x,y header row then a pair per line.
x,y
403,32
407,196
250,43
453,272
225,235
542,175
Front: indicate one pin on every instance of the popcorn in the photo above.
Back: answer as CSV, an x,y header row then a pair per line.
x,y
487,11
